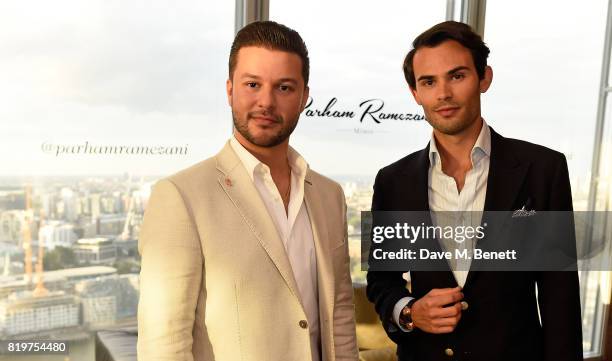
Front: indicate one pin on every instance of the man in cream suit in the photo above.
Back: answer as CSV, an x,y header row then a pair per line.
x,y
245,255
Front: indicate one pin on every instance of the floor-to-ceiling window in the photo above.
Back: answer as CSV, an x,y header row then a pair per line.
x,y
361,110
99,99
547,65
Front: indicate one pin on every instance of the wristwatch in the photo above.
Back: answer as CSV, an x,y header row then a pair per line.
x,y
405,317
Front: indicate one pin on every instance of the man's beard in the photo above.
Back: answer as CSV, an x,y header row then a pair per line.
x,y
283,133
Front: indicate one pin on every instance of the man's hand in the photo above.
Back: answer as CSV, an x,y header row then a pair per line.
x,y
429,313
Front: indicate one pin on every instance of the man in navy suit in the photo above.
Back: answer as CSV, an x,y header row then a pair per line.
x,y
477,315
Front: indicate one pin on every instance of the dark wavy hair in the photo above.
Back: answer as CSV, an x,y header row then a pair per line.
x,y
448,30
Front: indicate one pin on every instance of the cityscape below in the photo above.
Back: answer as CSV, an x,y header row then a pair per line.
x,y
69,259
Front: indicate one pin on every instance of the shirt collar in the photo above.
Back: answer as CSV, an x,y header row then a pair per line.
x,y
481,149
297,163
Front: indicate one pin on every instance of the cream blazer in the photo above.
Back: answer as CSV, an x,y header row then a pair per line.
x,y
216,282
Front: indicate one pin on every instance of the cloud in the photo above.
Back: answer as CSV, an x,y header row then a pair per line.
x,y
145,56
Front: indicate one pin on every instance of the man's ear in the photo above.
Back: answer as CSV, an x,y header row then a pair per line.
x,y
229,87
485,82
415,94
305,98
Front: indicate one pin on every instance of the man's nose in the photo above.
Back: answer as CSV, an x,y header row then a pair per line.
x,y
444,91
266,98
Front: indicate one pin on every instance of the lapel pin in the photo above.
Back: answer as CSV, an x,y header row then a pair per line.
x,y
228,182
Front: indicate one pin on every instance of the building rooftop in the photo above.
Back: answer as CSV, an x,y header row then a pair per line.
x,y
26,299
68,274
93,241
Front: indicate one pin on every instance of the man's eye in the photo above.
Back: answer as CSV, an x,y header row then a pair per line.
x,y
458,76
284,88
251,84
427,83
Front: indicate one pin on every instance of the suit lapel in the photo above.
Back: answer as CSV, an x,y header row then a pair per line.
x,y
325,274
506,176
413,188
242,192
504,182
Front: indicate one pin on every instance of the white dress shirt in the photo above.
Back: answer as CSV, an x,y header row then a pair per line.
x,y
447,204
294,229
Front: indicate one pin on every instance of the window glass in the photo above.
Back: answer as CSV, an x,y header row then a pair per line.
x,y
361,115
545,90
100,98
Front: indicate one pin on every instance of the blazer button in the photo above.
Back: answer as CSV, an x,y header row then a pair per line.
x,y
303,324
464,305
449,352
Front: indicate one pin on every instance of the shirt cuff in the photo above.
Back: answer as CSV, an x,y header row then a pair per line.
x,y
397,310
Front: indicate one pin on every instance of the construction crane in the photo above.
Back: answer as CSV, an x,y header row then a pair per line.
x,y
125,235
27,236
40,289
130,204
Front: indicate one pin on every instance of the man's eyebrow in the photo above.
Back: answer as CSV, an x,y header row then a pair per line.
x,y
288,80
459,68
282,80
248,75
450,72
425,77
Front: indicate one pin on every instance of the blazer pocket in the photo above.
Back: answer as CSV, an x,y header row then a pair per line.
x,y
238,309
332,239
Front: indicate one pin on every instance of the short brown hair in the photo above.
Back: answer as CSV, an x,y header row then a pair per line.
x,y
271,35
448,30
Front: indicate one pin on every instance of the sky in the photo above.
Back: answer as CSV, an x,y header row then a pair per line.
x,y
152,73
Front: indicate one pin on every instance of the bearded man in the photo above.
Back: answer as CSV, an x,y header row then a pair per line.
x,y
245,255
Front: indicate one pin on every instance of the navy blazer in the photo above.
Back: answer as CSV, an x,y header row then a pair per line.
x,y
502,320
